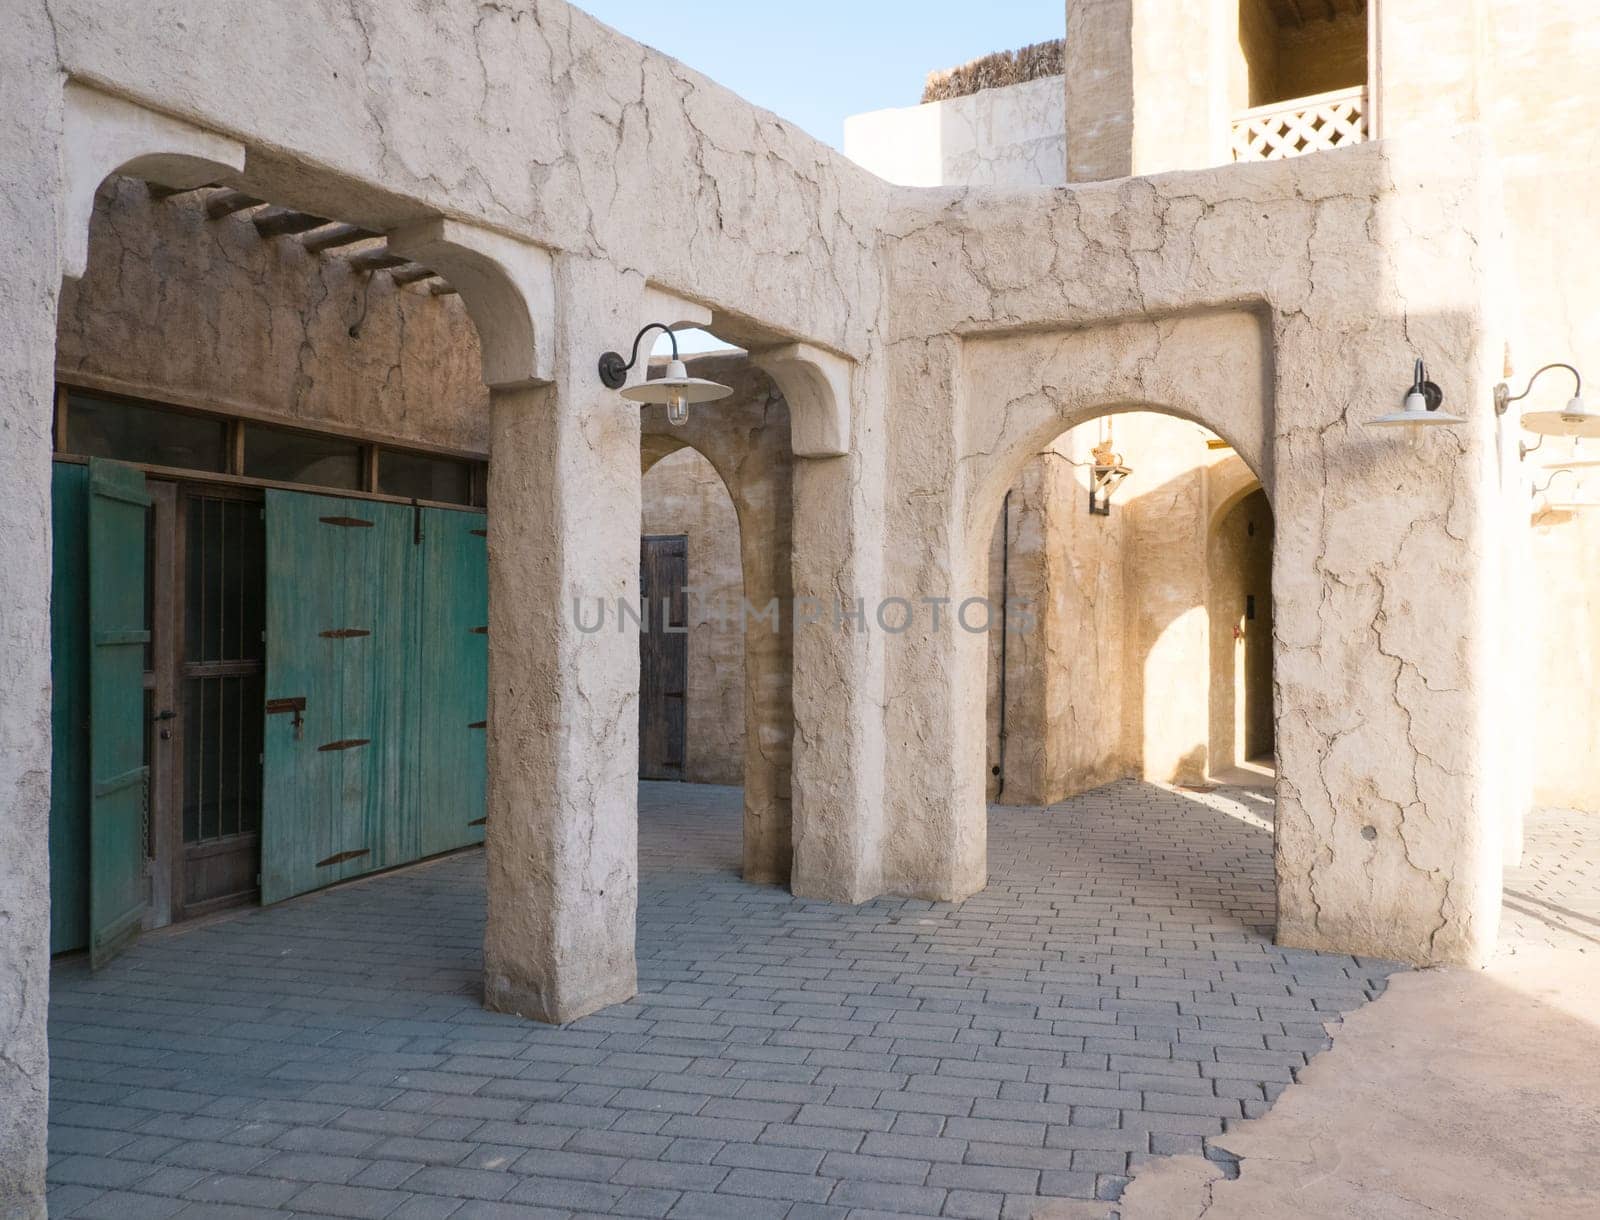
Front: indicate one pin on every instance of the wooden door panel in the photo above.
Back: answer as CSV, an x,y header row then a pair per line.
x,y
452,653
663,655
313,794
69,708
119,776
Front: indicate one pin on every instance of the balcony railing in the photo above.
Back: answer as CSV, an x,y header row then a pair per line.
x,y
1301,125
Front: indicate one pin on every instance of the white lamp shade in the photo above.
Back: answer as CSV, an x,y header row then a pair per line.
x,y
1414,414
1576,420
676,382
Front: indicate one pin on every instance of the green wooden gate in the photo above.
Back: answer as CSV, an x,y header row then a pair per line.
x,y
119,778
452,654
376,688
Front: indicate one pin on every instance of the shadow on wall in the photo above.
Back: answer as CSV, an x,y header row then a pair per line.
x,y
1150,651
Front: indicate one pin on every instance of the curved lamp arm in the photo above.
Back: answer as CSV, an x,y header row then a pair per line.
x,y
614,372
1503,397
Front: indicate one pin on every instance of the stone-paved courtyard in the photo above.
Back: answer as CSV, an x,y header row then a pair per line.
x,y
1114,994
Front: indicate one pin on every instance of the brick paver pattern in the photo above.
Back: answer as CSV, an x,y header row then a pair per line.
x,y
1112,995
1552,898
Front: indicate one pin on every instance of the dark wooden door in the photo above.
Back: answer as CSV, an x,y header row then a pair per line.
x,y
663,654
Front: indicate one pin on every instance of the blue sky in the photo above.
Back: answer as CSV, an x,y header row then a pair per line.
x,y
816,61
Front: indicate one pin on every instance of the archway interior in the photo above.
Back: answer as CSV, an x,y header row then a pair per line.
x,y
1137,641
692,674
305,410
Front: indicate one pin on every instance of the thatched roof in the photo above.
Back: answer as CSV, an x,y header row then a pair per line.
x,y
992,71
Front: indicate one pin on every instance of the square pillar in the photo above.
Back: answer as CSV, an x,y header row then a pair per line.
x,y
31,188
836,781
562,832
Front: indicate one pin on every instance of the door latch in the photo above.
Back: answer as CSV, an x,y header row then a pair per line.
x,y
296,705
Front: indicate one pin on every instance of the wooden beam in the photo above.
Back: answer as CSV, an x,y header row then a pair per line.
x,y
169,192
280,222
377,260
336,235
411,274
443,289
226,203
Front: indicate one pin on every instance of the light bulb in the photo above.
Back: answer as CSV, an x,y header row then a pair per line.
x,y
678,407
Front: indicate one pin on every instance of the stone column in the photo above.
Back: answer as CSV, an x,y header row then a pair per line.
x,y
768,824
936,834
836,782
562,833
30,122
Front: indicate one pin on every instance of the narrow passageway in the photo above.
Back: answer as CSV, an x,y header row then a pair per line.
x,y
1112,994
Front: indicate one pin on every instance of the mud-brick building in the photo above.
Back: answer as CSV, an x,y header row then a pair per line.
x,y
301,338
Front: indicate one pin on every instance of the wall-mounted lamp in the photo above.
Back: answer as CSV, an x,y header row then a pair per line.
x,y
1573,420
1105,476
1420,408
677,389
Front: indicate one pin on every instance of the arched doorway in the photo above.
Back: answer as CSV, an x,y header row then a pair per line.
x,y
1239,610
719,488
1117,611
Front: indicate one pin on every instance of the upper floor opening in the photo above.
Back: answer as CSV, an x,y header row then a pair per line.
x,y
1299,79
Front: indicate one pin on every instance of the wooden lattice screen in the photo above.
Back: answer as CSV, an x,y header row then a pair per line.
x,y
1307,124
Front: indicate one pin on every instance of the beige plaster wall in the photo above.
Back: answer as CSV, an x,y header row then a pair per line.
x,y
1151,85
683,494
1011,136
1065,656
1540,92
178,307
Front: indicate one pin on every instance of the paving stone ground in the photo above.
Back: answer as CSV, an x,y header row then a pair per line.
x,y
1552,899
1113,995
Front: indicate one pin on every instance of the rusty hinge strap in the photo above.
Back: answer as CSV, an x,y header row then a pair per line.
x,y
477,821
342,856
479,724
344,633
349,743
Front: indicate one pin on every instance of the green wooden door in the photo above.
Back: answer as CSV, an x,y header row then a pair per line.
x,y
377,617
452,651
69,708
119,778
336,801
